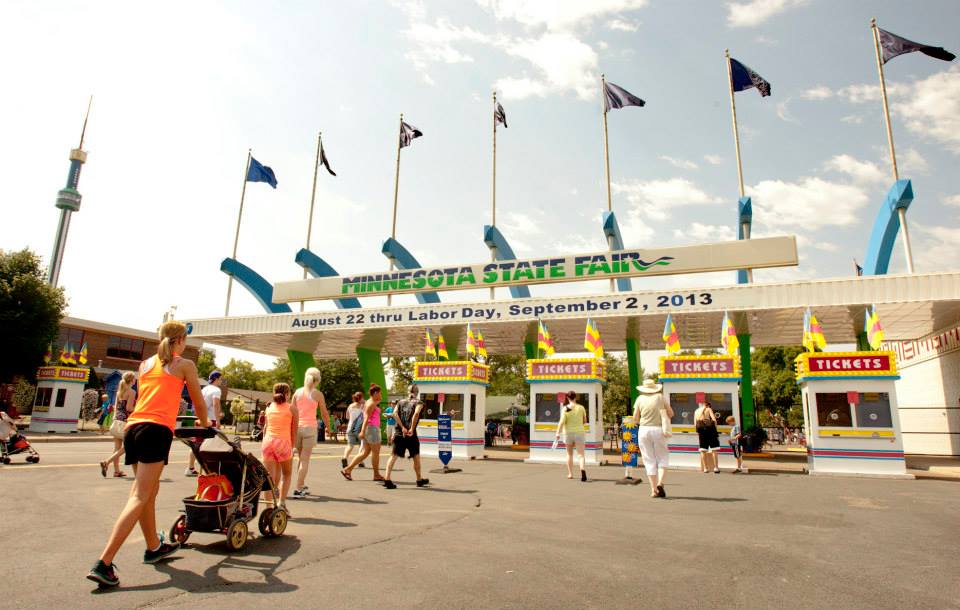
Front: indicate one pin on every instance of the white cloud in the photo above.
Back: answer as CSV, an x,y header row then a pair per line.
x,y
783,111
435,43
713,159
953,200
766,40
703,233
862,172
910,161
623,25
862,93
557,14
809,203
818,92
754,12
854,119
932,108
936,248
681,163
564,61
655,198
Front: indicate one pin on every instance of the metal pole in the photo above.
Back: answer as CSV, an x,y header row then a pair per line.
x,y
493,222
396,188
606,151
313,195
736,142
908,251
236,236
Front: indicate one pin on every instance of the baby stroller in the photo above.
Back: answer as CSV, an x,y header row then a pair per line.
x,y
12,442
236,479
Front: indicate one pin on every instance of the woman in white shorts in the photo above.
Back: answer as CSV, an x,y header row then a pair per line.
x,y
307,400
571,426
649,411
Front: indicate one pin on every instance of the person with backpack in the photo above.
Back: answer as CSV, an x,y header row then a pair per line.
x,y
405,440
354,422
370,433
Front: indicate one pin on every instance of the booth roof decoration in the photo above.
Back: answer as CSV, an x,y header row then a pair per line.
x,y
566,369
846,364
452,371
62,373
699,367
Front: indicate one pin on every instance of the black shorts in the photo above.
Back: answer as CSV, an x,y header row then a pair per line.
x,y
408,444
147,443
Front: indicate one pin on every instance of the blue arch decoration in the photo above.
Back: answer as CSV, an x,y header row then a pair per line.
x,y
318,267
885,228
260,288
402,259
744,217
611,230
503,252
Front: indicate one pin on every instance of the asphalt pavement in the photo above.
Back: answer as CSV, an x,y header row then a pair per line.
x,y
499,534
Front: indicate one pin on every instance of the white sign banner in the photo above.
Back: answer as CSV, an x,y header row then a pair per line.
x,y
726,256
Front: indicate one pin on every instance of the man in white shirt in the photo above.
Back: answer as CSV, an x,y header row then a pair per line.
x,y
211,396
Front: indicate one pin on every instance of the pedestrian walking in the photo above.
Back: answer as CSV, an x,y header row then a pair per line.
x,y
278,435
735,437
391,421
406,441
212,398
370,433
102,418
122,407
354,411
308,400
149,432
572,418
706,424
652,413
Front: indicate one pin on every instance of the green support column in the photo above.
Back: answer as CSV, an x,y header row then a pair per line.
x,y
748,413
862,344
371,371
299,363
530,350
635,369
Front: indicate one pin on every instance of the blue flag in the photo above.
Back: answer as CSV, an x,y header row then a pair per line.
x,y
261,173
743,78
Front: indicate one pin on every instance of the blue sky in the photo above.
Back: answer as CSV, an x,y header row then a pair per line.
x,y
183,89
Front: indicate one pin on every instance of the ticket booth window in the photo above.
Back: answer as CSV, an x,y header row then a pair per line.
x,y
547,408
684,407
61,397
43,397
473,407
452,406
833,410
873,411
722,405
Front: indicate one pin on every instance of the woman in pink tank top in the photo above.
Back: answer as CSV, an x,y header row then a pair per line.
x,y
307,400
277,446
370,433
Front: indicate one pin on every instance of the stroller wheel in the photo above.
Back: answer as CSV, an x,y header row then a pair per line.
x,y
34,459
278,522
6,460
179,532
237,535
264,523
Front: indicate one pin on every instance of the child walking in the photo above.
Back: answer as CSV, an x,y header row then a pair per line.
x,y
279,432
735,436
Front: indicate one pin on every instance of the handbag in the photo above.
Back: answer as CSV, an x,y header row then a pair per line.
x,y
118,428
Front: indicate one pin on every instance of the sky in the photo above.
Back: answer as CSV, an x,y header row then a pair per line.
x,y
183,89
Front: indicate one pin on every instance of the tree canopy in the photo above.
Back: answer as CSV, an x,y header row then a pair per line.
x,y
30,314
775,384
508,376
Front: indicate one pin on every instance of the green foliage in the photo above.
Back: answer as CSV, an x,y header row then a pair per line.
x,y
775,384
508,376
401,373
24,393
240,375
616,396
282,372
339,379
205,363
30,314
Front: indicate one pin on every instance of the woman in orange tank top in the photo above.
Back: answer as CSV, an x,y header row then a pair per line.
x,y
147,439
278,435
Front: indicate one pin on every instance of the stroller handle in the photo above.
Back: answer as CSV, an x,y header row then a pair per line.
x,y
188,433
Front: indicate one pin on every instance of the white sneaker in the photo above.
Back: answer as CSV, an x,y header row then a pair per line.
x,y
190,472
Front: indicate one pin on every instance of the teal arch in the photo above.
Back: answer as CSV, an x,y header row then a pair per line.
x,y
885,228
611,231
261,289
318,267
503,252
402,259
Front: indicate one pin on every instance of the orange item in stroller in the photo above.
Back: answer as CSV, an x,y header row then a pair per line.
x,y
213,487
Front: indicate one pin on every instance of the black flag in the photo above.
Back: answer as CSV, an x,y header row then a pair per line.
x,y
742,78
617,97
500,115
407,133
894,45
324,162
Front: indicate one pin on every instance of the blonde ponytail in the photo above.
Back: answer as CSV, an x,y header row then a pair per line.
x,y
169,332
125,384
311,379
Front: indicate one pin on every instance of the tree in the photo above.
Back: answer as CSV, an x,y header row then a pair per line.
x,y
281,372
508,376
240,375
775,383
30,314
206,363
401,373
616,395
339,379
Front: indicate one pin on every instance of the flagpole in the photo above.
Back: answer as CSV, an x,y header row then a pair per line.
x,y
493,221
396,187
908,251
236,237
606,153
313,196
736,141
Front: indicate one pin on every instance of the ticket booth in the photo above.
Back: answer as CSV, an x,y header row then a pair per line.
x,y
548,378
56,407
850,413
459,389
690,381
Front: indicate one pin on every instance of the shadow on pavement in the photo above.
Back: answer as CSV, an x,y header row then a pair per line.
x,y
312,498
441,490
319,521
704,498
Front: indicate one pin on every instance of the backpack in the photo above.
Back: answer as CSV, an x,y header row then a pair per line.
x,y
356,424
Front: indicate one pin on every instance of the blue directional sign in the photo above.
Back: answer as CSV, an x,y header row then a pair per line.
x,y
445,438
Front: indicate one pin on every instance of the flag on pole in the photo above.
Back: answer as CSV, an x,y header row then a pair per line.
x,y
728,336
261,173
615,96
500,116
857,268
894,45
813,338
48,355
429,347
441,348
481,347
65,353
471,341
407,133
591,339
872,328
323,160
82,358
743,77
671,338
544,342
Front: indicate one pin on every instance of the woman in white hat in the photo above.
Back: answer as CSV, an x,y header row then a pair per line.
x,y
649,411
